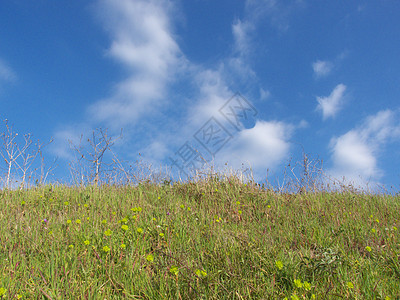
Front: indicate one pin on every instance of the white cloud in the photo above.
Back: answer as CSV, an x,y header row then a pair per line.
x,y
277,12
264,94
322,68
143,42
264,146
331,105
353,157
382,126
303,124
238,63
61,147
241,31
6,73
156,151
355,153
213,93
237,69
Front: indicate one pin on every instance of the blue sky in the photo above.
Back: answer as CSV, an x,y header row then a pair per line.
x,y
318,76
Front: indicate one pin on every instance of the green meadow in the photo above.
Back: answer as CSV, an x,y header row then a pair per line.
x,y
215,238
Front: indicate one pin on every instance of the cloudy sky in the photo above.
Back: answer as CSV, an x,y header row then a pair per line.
x,y
252,83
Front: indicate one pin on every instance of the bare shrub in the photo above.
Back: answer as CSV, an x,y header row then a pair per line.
x,y
23,159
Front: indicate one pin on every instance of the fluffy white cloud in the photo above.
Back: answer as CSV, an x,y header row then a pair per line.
x,y
322,68
353,157
264,146
212,94
143,42
383,126
355,153
333,103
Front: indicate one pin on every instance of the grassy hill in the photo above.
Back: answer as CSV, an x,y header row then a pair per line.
x,y
210,239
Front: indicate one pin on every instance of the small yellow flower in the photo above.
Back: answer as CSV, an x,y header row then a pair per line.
x,y
240,212
201,273
297,283
104,222
394,228
269,206
86,242
161,234
307,285
78,221
182,206
377,221
279,264
66,203
350,285
124,227
88,218
373,230
154,219
71,246
368,248
150,258
140,230
294,297
69,221
106,249
125,220
114,213
123,246
237,202
108,232
23,202
3,292
85,205
174,270
189,209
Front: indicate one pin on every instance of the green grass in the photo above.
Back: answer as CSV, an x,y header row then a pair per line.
x,y
212,239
